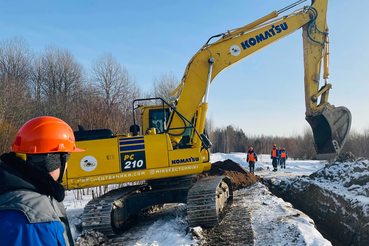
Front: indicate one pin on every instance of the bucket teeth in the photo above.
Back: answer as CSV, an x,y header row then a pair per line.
x,y
330,128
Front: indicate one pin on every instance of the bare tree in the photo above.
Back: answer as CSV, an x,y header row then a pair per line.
x,y
357,143
56,81
116,87
164,85
15,61
126,106
90,109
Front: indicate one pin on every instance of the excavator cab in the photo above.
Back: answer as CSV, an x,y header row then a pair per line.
x,y
330,129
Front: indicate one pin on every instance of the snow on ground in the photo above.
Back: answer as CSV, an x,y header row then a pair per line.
x,y
350,180
74,210
275,221
293,167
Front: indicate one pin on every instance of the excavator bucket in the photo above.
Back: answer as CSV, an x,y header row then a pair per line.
x,y
330,128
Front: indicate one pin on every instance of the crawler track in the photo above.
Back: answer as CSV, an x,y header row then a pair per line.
x,y
207,199
97,213
117,210
235,229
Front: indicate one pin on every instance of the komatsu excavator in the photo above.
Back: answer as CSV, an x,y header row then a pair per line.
x,y
171,147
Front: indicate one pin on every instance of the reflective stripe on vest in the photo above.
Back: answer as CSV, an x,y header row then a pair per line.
x,y
274,154
251,156
283,154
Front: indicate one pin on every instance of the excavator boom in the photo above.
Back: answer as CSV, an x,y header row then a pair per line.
x,y
171,146
330,125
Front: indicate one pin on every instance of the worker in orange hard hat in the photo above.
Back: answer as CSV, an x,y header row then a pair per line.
x,y
31,208
274,155
251,159
284,157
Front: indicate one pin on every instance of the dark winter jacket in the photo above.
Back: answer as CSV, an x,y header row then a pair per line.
x,y
31,208
254,155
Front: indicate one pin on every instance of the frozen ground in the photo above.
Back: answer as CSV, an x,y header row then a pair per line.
x,y
275,221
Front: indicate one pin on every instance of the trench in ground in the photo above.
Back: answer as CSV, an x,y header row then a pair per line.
x,y
306,200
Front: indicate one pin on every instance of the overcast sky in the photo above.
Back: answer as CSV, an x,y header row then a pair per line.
x,y
263,94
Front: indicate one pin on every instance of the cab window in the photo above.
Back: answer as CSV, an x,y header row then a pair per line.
x,y
156,119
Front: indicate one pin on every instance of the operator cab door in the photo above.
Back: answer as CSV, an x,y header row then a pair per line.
x,y
158,119
157,144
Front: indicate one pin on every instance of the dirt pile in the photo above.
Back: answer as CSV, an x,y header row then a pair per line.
x,y
346,157
351,175
240,177
91,238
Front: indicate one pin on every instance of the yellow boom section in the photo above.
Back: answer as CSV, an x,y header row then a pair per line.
x,y
238,44
230,49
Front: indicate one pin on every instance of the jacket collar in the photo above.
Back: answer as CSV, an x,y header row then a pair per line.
x,y
20,174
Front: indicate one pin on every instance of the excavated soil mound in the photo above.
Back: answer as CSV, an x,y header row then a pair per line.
x,y
346,157
336,197
240,177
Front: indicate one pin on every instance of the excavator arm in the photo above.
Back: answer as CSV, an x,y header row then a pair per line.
x,y
330,125
172,147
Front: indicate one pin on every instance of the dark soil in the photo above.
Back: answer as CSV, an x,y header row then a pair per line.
x,y
240,177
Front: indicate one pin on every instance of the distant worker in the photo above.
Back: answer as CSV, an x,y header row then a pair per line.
x,y
279,157
284,157
251,159
274,155
31,208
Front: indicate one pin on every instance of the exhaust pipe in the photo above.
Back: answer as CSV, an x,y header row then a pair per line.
x,y
330,129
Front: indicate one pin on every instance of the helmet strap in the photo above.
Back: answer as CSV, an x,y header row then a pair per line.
x,y
64,157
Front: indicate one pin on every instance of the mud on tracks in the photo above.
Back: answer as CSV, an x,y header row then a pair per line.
x,y
235,228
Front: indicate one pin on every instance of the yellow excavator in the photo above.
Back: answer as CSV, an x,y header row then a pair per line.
x,y
169,147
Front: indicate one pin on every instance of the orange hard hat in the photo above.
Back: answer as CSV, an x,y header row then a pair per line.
x,y
250,148
274,145
45,134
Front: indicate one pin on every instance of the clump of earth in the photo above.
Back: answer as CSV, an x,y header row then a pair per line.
x,y
240,177
91,238
346,157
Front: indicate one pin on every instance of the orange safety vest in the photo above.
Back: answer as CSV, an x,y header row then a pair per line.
x,y
251,156
283,154
274,154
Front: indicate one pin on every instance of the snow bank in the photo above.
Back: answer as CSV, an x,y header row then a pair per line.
x,y
276,222
336,196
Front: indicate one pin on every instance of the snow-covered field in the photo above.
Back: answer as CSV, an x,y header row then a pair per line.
x,y
275,221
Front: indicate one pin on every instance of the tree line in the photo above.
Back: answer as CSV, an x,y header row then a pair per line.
x,y
52,82
233,139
